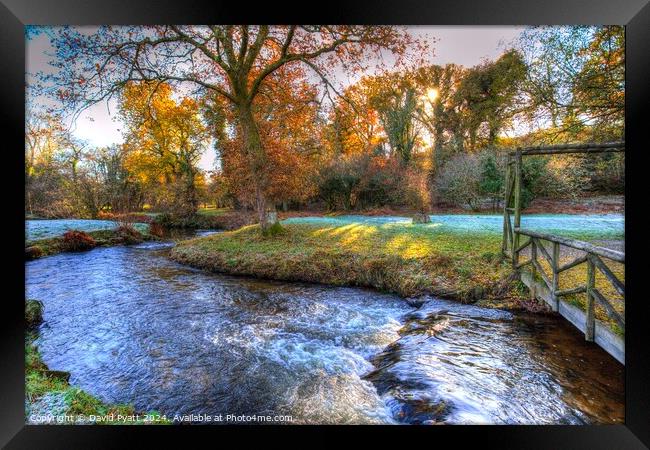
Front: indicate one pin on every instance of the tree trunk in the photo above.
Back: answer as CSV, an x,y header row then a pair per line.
x,y
257,159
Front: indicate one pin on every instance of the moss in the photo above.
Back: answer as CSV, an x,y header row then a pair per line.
x,y
33,252
274,230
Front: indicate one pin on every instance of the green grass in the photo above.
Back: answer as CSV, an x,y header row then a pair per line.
x,y
213,211
405,259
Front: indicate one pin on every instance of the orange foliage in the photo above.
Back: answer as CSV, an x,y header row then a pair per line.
x,y
286,113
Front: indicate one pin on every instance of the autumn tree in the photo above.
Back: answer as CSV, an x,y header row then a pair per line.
x,y
166,139
287,113
487,95
49,148
356,125
230,61
599,87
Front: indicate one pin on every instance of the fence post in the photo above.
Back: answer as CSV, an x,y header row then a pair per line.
x,y
506,205
555,264
590,309
517,207
533,268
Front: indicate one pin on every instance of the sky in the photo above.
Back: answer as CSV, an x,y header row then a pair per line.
x,y
463,45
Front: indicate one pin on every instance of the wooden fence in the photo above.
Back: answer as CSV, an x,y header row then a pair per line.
x,y
544,285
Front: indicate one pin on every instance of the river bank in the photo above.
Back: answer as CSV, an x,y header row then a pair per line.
x,y
443,260
407,260
121,235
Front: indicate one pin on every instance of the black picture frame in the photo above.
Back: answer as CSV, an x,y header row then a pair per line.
x,y
635,14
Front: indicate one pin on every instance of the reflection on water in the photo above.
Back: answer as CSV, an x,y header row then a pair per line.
x,y
132,326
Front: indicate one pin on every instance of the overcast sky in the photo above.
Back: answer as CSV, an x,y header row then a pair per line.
x,y
464,45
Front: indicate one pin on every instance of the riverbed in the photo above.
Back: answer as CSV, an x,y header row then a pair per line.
x,y
132,326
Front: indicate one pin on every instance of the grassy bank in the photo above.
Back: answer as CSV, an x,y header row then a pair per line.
x,y
49,397
408,260
39,248
211,219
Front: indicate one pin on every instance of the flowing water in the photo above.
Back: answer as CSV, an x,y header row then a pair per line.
x,y
132,326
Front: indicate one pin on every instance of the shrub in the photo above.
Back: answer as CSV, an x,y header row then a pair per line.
x,y
128,234
33,313
156,229
74,241
492,178
459,181
33,252
336,184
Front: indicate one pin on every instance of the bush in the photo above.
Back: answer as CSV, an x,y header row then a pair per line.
x,y
74,241
128,234
459,181
33,252
33,313
336,185
413,190
156,229
492,178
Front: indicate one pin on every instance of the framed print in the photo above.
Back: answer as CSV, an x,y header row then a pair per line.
x,y
345,220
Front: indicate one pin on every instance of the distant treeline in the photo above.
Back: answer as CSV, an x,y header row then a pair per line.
x,y
418,136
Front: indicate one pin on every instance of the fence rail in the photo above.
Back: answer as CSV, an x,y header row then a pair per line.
x,y
592,259
546,285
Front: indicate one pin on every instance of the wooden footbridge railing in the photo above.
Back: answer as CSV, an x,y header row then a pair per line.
x,y
544,282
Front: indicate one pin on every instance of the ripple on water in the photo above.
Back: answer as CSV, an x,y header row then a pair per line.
x,y
132,326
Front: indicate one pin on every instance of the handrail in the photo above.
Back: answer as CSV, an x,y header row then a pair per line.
x,y
573,243
572,148
546,286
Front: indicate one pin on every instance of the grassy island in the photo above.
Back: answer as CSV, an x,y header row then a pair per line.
x,y
408,260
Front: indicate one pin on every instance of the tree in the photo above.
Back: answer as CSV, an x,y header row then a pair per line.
x,y
46,142
166,139
436,86
599,87
487,94
290,131
356,121
229,61
458,182
575,77
396,104
121,190
492,178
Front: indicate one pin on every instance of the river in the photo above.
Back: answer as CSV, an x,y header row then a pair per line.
x,y
132,326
